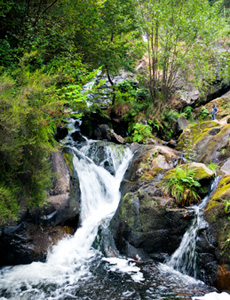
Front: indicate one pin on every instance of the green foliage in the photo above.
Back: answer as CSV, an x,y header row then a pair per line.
x,y
214,167
29,114
9,208
188,112
203,113
141,133
179,34
32,105
181,185
227,207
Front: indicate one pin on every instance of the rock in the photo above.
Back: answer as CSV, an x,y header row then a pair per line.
x,y
207,141
225,169
218,219
91,121
103,132
182,123
222,104
63,201
146,222
146,225
27,242
223,278
148,163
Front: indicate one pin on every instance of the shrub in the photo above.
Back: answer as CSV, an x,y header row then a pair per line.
x,y
141,133
181,184
203,113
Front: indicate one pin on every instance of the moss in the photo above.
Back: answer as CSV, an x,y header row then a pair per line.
x,y
215,215
69,161
127,209
223,190
151,173
196,133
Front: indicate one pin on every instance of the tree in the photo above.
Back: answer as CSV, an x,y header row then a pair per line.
x,y
104,33
180,40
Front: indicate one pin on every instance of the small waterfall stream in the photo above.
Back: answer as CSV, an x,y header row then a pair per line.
x,y
184,259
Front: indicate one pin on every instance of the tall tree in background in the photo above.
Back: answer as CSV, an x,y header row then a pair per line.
x,y
105,34
180,40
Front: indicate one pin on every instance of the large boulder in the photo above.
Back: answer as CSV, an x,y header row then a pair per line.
x,y
222,104
217,214
206,142
147,223
30,239
28,242
63,201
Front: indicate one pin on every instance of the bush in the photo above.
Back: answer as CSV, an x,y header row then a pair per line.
x,y
141,133
181,185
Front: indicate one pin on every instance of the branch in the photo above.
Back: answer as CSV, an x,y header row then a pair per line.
x,y
48,6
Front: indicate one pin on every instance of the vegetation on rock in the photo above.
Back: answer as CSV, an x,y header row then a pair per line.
x,y
181,184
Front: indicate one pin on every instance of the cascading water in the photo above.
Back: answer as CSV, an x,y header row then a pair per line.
x,y
184,259
74,269
68,261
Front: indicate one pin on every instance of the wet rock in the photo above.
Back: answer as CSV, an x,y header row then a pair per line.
x,y
146,222
103,153
27,242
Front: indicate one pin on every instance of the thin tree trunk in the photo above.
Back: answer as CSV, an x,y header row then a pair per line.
x,y
112,85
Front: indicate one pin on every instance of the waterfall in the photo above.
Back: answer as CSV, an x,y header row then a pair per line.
x,y
184,259
69,260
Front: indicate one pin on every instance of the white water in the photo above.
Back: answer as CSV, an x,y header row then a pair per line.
x,y
184,259
69,259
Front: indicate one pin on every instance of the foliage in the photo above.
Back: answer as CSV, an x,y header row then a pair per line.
x,y
32,105
141,133
214,167
227,207
179,34
187,111
181,185
203,113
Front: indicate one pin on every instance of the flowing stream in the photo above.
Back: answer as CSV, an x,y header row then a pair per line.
x,y
184,259
76,270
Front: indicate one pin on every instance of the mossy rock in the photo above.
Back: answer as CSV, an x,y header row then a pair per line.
x,y
204,141
219,220
146,222
223,105
202,174
155,161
